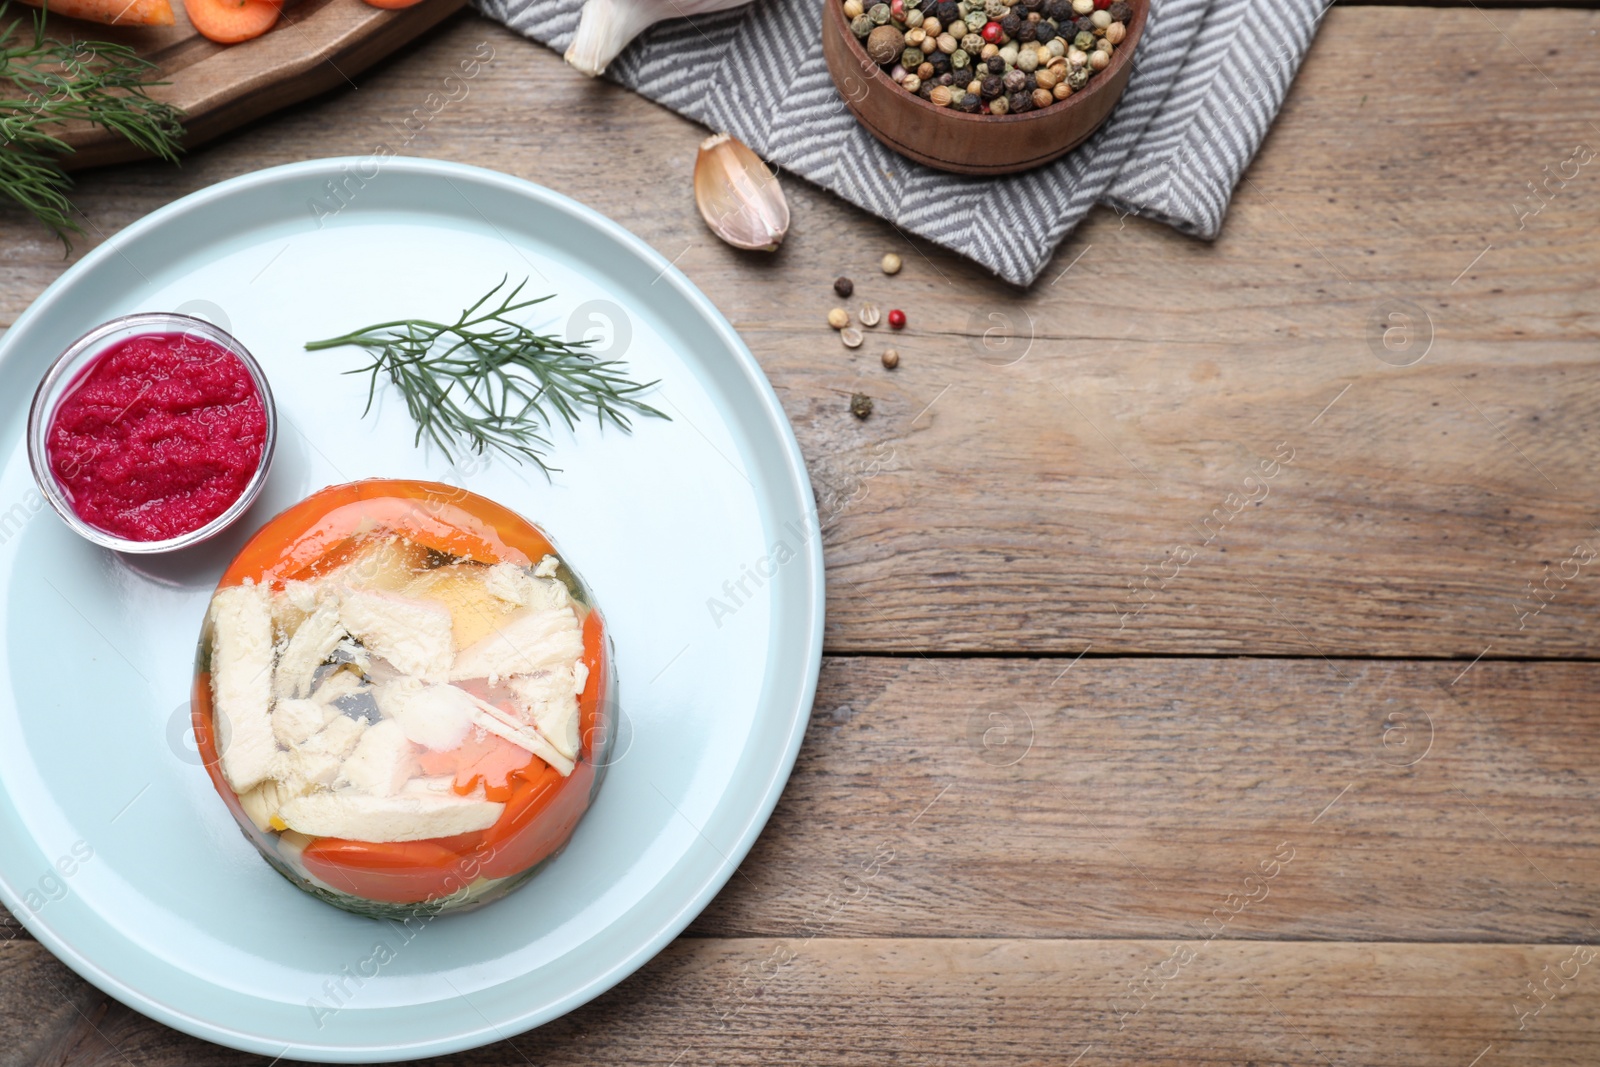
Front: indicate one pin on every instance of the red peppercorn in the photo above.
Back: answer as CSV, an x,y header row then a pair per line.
x,y
897,319
992,32
897,9
1101,5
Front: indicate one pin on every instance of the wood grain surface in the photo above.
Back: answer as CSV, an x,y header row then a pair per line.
x,y
1044,506
1321,787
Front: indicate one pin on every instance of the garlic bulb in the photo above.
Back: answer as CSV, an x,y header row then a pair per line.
x,y
606,26
738,196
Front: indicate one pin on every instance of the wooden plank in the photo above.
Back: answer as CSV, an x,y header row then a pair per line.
x,y
958,1001
1089,494
1130,798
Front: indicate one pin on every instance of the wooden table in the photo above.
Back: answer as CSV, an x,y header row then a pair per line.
x,y
1212,683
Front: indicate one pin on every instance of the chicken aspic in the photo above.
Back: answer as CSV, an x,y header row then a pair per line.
x,y
400,691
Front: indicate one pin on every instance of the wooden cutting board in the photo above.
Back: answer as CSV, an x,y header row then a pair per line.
x,y
317,45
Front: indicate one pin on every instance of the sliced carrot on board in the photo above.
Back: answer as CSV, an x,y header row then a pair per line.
x,y
392,5
112,12
231,21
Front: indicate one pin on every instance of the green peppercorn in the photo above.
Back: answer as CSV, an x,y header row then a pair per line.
x,y
861,25
972,44
1083,42
1077,78
912,58
995,9
878,13
959,59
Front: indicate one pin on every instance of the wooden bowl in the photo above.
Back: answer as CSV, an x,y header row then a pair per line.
x,y
951,140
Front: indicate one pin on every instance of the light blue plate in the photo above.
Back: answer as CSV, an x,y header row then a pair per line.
x,y
698,537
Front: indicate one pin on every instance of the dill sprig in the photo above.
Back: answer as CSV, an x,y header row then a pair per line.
x,y
488,381
45,82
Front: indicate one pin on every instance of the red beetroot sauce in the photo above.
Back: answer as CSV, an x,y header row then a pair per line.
x,y
157,436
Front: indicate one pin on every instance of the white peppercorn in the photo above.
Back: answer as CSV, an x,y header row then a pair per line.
x,y
1099,61
1116,32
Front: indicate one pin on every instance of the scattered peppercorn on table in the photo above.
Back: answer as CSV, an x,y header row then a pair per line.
x,y
1212,673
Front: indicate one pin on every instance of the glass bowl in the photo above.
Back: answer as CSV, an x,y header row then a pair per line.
x,y
67,371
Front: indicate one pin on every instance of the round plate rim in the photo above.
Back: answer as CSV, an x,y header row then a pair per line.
x,y
488,1030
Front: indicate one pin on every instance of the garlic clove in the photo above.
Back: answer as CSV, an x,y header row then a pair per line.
x,y
738,196
606,26
604,29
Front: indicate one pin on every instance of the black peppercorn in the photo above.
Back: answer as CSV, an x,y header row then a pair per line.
x,y
1032,83
949,11
1060,10
947,80
1045,32
970,104
1021,102
860,405
1083,25
925,90
992,86
844,286
1033,5
941,63
995,65
1121,12
1025,32
1010,25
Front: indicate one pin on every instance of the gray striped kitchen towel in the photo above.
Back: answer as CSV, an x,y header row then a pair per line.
x,y
1208,79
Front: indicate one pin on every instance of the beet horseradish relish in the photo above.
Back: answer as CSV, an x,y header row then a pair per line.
x,y
152,432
